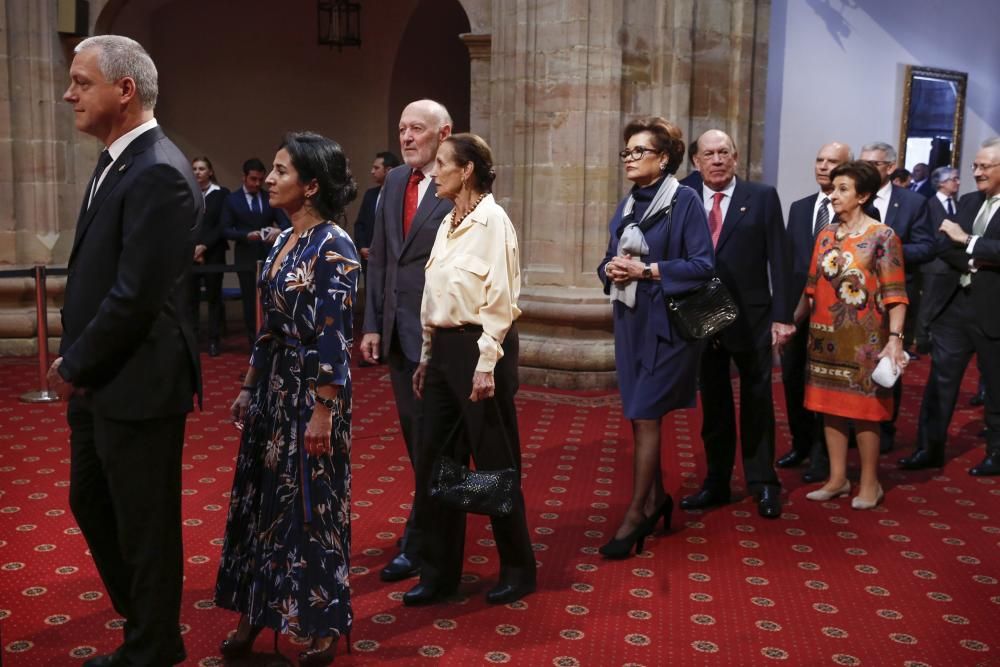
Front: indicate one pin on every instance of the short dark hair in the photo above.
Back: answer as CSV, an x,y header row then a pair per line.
x,y
473,148
900,174
205,159
667,138
867,180
317,157
692,151
389,159
253,164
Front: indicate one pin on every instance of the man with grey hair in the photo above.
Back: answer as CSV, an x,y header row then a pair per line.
x,y
406,222
906,213
967,321
940,207
128,363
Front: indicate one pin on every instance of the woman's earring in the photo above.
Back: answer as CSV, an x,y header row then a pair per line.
x,y
663,166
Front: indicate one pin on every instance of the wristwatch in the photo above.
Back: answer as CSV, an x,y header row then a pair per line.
x,y
897,334
647,272
327,403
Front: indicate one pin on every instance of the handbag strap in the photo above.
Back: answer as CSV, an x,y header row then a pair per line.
x,y
439,452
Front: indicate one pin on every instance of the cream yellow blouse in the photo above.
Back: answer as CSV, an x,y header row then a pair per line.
x,y
473,277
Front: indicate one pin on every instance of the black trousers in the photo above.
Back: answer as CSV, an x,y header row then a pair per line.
x,y
805,425
408,407
213,296
487,429
955,335
125,492
756,429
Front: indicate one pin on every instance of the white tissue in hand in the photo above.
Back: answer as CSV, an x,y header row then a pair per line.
x,y
886,373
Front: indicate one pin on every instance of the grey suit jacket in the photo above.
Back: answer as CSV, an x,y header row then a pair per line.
x,y
394,285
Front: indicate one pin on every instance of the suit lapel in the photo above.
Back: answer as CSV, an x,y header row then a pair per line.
x,y
892,210
114,176
424,212
736,213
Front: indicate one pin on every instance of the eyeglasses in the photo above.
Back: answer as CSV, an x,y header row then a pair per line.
x,y
636,153
983,166
880,163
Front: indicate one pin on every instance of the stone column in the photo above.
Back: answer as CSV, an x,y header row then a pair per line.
x,y
480,51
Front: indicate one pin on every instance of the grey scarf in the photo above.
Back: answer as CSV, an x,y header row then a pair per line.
x,y
633,242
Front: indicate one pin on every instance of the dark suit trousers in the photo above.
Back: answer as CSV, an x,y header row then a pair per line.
x,y
955,335
213,296
125,492
718,430
489,428
409,409
806,426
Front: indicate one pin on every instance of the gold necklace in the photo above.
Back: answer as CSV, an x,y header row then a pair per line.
x,y
455,224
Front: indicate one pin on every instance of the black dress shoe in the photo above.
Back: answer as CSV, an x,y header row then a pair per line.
x,y
814,476
769,502
422,594
921,460
707,497
792,459
399,568
507,593
988,466
213,349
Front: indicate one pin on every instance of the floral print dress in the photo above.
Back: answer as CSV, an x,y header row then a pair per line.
x,y
285,557
852,280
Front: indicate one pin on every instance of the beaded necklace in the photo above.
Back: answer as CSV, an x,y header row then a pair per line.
x,y
456,223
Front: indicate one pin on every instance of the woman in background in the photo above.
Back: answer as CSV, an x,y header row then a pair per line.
x,y
209,250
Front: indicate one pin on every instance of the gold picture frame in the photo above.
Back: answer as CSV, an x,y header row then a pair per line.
x,y
955,81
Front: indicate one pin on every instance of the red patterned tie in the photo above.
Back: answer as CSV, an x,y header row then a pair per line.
x,y
411,199
715,218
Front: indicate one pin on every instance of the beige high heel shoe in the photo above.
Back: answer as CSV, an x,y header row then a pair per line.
x,y
821,495
859,504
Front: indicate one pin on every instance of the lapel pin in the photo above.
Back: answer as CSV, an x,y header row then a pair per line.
x,y
123,167
743,209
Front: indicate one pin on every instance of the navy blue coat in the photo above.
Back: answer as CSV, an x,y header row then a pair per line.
x,y
909,218
238,221
800,243
364,226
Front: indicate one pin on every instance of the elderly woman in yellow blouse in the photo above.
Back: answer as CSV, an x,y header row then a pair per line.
x,y
467,375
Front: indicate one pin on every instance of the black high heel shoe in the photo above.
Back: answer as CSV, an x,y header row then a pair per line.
x,y
665,510
622,548
240,648
325,656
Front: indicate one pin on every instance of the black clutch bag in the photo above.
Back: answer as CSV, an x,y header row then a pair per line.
x,y
702,312
489,492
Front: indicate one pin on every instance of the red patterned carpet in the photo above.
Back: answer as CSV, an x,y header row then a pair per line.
x,y
913,583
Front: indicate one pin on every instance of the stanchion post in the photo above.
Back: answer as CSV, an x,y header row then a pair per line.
x,y
260,306
43,395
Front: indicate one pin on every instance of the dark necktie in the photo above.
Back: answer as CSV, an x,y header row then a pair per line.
x,y
255,203
822,216
715,218
102,164
411,199
950,207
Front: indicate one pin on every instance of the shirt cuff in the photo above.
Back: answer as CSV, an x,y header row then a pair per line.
x,y
972,244
490,353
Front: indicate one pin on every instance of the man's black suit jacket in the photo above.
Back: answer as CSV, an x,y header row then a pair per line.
x,y
986,280
126,338
364,226
238,221
752,240
801,242
395,280
210,231
693,180
908,217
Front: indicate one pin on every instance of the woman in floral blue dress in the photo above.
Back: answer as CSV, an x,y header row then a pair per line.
x,y
285,558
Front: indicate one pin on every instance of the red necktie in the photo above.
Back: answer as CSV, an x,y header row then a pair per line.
x,y
715,218
411,199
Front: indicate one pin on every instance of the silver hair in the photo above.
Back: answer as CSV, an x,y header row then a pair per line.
x,y
942,174
890,152
436,109
119,57
992,142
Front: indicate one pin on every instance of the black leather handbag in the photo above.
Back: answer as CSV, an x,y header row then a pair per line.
x,y
489,492
702,312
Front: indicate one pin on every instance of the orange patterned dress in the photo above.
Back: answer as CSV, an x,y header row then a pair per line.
x,y
852,280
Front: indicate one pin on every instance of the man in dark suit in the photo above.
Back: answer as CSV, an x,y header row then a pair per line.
x,y
941,206
249,221
906,213
406,223
749,236
364,225
128,360
693,178
806,217
921,182
966,319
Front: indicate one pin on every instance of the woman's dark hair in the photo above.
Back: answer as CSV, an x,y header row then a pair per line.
x,y
666,138
867,180
316,157
473,148
210,167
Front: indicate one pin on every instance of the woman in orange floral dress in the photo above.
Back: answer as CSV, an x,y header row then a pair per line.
x,y
856,301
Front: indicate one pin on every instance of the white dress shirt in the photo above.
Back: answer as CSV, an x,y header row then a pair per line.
x,y
118,147
829,209
881,202
709,200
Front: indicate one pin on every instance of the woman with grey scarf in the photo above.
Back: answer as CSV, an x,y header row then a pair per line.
x,y
660,246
